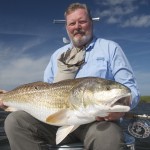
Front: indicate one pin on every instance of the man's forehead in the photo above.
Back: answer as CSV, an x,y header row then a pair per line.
x,y
77,14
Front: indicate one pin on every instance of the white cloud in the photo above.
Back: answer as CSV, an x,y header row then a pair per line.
x,y
18,43
117,11
23,58
116,7
22,70
112,20
120,12
138,21
17,66
114,2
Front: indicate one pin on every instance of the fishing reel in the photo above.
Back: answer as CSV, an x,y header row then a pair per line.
x,y
139,126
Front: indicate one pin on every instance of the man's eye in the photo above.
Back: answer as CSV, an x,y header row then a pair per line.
x,y
71,24
82,22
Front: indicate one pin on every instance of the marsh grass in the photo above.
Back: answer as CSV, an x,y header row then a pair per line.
x,y
145,99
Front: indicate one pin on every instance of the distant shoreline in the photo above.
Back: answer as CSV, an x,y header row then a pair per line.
x,y
145,99
144,102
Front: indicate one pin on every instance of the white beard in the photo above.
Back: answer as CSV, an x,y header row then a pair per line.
x,y
81,41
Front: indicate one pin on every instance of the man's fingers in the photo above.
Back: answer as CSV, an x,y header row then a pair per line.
x,y
99,118
2,91
111,117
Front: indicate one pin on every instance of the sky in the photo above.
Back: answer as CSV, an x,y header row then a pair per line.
x,y
28,36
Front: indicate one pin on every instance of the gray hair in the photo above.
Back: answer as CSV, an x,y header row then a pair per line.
x,y
74,6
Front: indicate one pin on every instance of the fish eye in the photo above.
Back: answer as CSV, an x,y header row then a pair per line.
x,y
107,88
36,88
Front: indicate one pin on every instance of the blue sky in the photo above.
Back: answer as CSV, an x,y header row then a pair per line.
x,y
28,36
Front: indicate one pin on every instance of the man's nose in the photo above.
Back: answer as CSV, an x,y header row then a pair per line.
x,y
78,25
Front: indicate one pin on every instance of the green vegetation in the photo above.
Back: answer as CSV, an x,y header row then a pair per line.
x,y
145,99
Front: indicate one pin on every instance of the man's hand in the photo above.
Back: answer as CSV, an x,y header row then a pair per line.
x,y
2,91
111,117
1,103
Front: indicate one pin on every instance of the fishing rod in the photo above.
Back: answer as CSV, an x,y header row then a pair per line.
x,y
61,21
130,115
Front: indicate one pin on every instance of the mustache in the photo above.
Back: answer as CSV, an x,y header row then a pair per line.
x,y
79,32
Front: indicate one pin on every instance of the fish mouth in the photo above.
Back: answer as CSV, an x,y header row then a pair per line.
x,y
124,99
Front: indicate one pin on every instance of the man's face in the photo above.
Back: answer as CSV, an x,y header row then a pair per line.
x,y
79,27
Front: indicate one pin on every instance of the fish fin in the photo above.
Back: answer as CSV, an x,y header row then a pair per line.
x,y
10,109
64,131
59,117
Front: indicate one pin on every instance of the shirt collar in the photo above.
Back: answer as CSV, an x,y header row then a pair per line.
x,y
91,45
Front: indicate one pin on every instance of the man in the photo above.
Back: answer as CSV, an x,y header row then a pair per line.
x,y
86,55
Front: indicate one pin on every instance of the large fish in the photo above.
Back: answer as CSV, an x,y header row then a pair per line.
x,y
69,103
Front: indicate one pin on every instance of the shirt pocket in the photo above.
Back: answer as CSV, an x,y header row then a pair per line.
x,y
98,67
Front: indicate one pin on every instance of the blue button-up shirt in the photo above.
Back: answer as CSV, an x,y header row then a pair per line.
x,y
104,59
